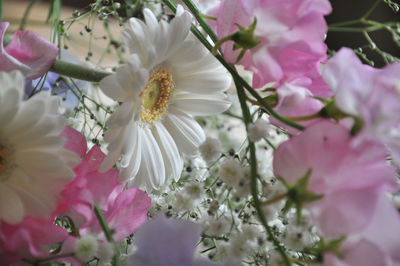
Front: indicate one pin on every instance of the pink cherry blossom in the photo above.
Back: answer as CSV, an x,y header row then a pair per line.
x,y
351,179
285,28
28,52
31,238
370,94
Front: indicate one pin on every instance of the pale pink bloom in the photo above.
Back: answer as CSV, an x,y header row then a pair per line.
x,y
370,94
377,244
28,52
124,210
295,100
30,238
285,28
349,178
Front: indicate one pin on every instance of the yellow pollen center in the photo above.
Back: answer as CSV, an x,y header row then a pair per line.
x,y
156,95
3,158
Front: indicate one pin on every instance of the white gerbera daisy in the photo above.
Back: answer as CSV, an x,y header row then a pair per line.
x,y
34,166
169,78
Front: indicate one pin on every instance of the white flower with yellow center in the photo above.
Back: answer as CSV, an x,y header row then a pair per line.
x,y
34,166
169,78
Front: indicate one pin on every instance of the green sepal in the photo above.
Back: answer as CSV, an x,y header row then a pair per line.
x,y
298,194
244,38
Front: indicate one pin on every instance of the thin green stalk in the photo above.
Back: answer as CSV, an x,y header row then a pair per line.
x,y
196,12
373,7
26,14
1,9
253,181
302,118
346,23
345,29
78,71
107,232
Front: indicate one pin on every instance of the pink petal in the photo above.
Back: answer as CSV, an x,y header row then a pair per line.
x,y
28,52
76,142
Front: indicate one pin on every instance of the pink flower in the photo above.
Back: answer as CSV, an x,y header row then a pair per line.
x,y
377,244
371,94
351,179
295,100
27,52
124,210
285,28
31,238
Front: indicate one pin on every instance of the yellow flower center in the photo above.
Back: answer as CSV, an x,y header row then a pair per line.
x,y
156,95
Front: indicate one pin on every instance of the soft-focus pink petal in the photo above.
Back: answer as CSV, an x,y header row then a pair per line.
x,y
76,142
30,238
28,52
128,212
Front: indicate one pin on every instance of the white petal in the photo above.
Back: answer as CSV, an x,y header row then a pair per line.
x,y
9,106
152,169
11,207
203,83
172,159
200,104
187,133
122,115
132,169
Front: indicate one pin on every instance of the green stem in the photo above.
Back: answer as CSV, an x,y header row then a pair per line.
x,y
208,17
302,118
274,199
346,23
26,13
214,50
373,7
78,71
107,232
253,181
1,9
196,12
345,29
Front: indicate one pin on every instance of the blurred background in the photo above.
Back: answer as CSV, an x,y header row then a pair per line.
x,y
83,42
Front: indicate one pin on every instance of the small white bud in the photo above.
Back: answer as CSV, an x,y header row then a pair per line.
x,y
86,248
210,149
105,251
258,130
231,172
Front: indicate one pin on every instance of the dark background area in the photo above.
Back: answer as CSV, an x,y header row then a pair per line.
x,y
342,11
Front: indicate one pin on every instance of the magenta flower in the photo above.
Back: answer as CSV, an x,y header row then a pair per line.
x,y
284,27
124,210
30,238
350,179
27,52
373,95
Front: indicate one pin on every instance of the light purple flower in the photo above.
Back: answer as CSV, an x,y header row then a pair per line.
x,y
164,242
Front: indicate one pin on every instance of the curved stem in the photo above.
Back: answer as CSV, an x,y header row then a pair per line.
x,y
78,71
107,232
196,12
302,118
274,199
253,180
